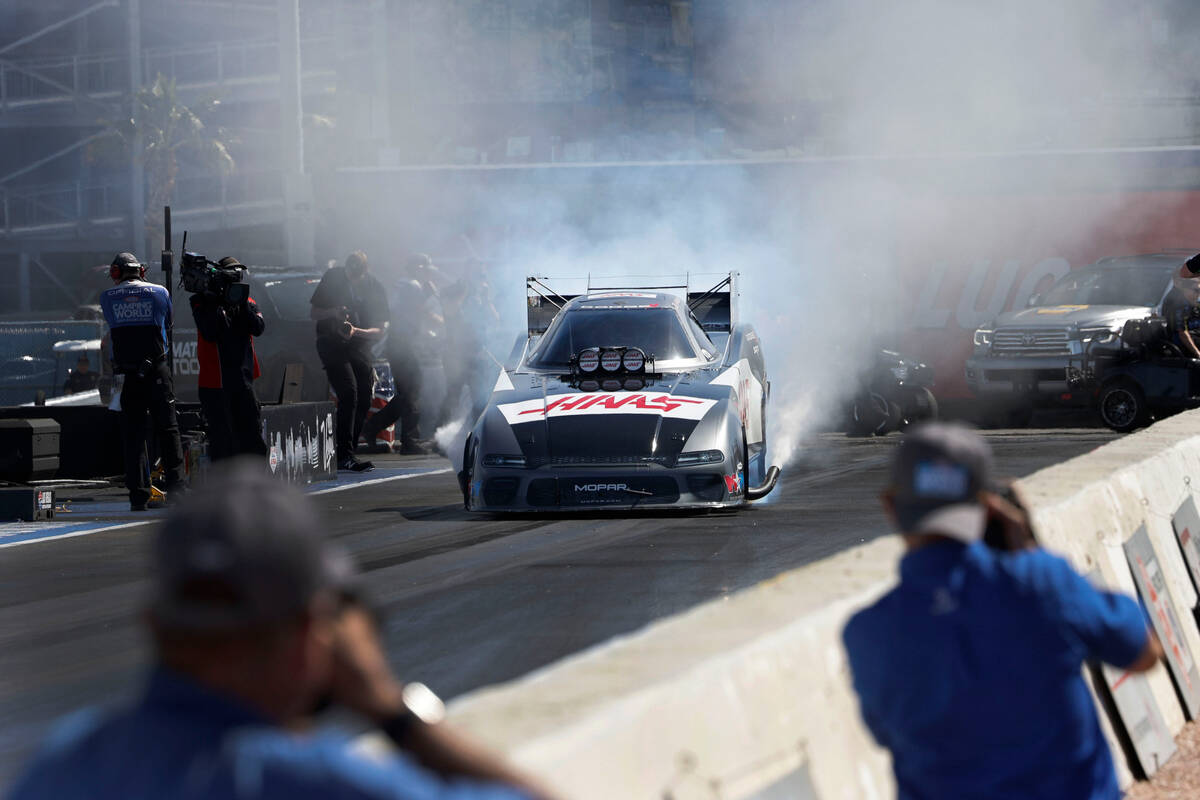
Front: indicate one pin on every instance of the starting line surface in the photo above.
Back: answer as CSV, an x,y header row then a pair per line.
x,y
115,515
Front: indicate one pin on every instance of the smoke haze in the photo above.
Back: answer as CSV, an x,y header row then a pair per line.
x,y
909,105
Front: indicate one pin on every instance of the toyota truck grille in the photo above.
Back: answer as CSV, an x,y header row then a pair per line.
x,y
1031,342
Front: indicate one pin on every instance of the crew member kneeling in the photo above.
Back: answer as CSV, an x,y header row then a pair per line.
x,y
228,368
138,314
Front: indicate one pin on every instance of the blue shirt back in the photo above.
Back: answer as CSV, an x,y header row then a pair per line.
x,y
969,672
134,303
185,742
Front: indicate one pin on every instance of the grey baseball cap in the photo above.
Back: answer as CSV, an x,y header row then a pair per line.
x,y
937,474
244,550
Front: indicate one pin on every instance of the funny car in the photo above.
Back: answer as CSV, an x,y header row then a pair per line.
x,y
624,397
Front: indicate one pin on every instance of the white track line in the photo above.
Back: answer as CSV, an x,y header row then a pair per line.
x,y
52,537
55,537
374,481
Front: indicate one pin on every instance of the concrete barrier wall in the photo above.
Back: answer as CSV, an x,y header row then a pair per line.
x,y
750,696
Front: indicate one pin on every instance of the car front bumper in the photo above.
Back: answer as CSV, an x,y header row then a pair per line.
x,y
574,489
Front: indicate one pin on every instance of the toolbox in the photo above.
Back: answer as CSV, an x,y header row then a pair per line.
x,y
28,449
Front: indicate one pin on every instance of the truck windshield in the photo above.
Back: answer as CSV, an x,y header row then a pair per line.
x,y
655,330
1107,287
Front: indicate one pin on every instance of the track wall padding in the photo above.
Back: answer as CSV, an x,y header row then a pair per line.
x,y
740,696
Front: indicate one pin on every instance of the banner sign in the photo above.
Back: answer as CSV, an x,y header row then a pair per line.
x,y
1152,586
301,441
1144,725
1187,527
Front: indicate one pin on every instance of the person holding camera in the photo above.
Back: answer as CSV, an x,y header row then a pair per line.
x,y
969,670
351,310
258,623
138,314
1181,308
228,368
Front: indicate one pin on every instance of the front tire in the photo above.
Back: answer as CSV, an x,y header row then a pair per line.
x,y
466,473
1122,406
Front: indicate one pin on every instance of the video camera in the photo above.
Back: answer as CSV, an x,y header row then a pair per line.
x,y
226,285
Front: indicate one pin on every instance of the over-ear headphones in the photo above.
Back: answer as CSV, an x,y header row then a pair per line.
x,y
123,265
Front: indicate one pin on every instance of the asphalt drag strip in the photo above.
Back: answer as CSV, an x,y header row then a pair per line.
x,y
467,600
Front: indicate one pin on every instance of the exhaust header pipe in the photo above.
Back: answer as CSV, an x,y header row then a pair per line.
x,y
759,492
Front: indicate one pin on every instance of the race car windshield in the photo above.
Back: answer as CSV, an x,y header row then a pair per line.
x,y
655,330
1107,287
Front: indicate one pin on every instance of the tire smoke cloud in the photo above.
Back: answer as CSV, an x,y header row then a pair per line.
x,y
848,132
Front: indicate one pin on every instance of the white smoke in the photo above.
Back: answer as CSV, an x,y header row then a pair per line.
x,y
872,106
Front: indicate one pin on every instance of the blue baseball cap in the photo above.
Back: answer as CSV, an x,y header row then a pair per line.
x,y
936,477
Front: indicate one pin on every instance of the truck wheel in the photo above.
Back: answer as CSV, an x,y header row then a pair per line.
x,y
1122,406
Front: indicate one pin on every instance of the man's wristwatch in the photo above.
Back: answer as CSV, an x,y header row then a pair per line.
x,y
421,707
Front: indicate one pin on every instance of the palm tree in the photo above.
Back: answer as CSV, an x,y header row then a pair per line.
x,y
164,133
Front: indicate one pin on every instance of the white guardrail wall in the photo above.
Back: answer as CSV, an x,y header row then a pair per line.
x,y
750,696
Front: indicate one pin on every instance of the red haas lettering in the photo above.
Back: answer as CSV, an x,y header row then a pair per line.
x,y
664,403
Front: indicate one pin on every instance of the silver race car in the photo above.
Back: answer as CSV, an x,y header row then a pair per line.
x,y
624,398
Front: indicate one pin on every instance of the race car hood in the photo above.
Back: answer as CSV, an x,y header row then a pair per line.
x,y
1071,316
554,422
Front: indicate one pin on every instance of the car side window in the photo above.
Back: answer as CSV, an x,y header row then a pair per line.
x,y
699,334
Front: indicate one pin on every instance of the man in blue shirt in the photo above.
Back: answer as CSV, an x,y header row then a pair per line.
x,y
256,625
138,315
969,671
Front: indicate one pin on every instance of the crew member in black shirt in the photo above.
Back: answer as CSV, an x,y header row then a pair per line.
x,y
81,379
409,334
351,310
228,368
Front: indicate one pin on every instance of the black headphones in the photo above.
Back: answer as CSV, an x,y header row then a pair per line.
x,y
123,264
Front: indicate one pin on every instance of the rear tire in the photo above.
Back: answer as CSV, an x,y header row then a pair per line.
x,y
1122,406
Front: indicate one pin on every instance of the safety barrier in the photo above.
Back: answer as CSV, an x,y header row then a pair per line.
x,y
750,696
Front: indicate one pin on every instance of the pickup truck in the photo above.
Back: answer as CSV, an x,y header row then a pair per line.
x,y
1021,359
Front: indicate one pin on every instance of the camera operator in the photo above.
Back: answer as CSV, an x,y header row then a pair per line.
x,y
1181,308
977,651
350,307
138,315
228,367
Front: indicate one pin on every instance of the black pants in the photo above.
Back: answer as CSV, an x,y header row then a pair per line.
x,y
151,393
406,375
234,422
353,380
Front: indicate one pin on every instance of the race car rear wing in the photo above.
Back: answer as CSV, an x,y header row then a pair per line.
x,y
713,307
543,303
